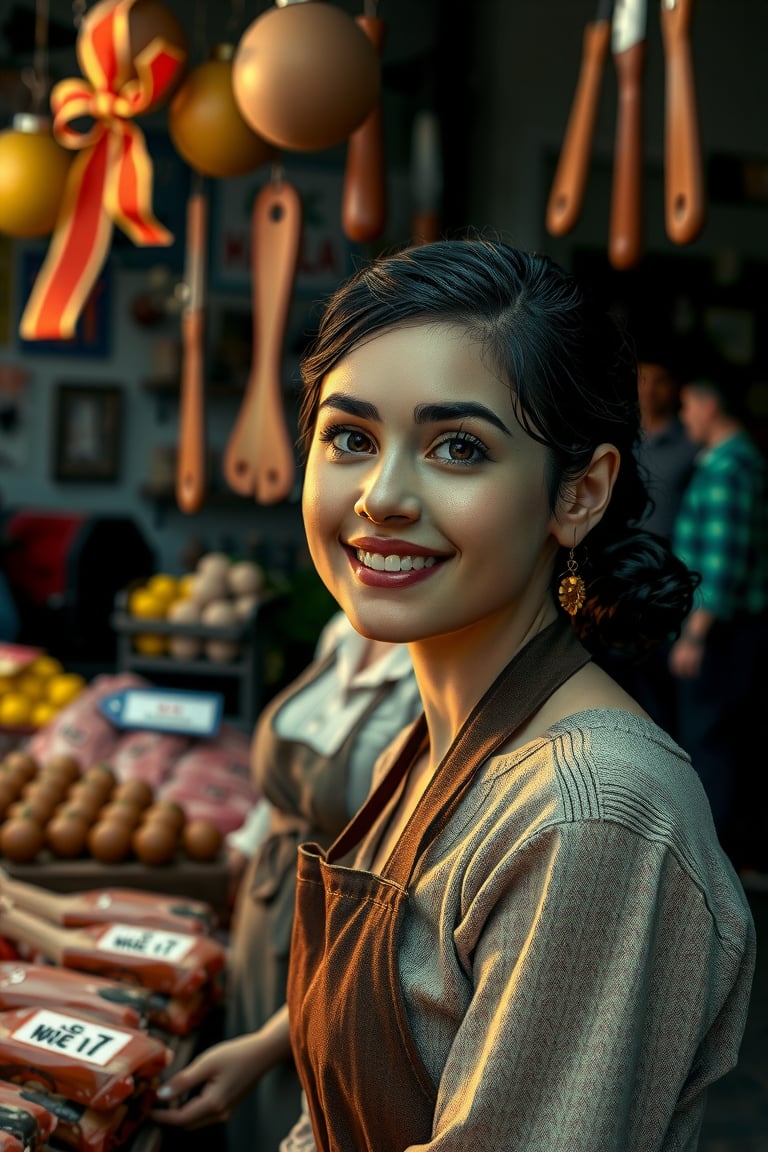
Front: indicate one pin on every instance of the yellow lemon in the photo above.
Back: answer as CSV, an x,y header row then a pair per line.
x,y
46,666
62,689
31,685
42,713
163,586
15,710
185,585
144,605
7,684
149,645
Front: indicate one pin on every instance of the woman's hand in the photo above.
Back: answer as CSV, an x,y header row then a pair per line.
x,y
218,1079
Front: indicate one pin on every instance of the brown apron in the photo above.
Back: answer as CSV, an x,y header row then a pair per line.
x,y
308,792
366,1085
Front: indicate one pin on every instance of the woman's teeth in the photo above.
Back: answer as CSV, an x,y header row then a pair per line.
x,y
381,563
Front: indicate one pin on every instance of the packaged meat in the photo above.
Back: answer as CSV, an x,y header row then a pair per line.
x,y
226,815
189,770
88,1130
80,729
182,1015
30,1122
77,1056
24,983
149,755
100,905
10,1142
173,962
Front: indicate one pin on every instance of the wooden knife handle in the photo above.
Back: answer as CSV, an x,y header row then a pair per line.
x,y
625,242
566,196
190,468
364,193
683,177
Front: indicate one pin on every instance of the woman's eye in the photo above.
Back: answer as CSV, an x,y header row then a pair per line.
x,y
460,448
347,441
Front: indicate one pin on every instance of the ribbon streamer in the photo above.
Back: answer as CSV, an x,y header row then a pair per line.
x,y
110,181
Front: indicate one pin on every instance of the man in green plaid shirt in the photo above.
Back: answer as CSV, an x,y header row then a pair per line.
x,y
719,660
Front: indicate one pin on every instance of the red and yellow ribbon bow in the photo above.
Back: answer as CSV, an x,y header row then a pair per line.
x,y
110,181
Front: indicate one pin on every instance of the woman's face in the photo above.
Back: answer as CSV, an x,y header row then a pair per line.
x,y
424,502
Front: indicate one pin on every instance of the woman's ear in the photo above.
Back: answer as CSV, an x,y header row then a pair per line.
x,y
588,497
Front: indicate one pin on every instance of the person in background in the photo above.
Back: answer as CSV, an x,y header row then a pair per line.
x,y
664,449
313,753
666,456
528,937
720,658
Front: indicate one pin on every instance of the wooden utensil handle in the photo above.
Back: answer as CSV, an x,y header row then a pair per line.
x,y
190,468
683,177
31,897
27,929
259,459
566,196
364,193
625,244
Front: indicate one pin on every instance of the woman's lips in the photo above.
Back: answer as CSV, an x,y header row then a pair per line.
x,y
395,567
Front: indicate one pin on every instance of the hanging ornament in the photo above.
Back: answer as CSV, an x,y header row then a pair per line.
x,y
110,180
147,20
206,125
305,75
33,167
33,172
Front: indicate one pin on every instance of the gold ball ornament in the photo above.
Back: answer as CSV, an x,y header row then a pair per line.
x,y
147,20
33,174
305,75
206,125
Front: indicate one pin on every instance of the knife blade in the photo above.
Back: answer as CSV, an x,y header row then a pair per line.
x,y
628,46
683,177
566,196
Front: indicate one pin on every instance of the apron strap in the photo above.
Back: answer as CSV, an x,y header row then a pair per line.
x,y
537,670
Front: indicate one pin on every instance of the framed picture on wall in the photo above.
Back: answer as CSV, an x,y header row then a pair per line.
x,y
86,432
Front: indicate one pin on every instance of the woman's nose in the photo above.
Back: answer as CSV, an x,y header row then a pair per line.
x,y
388,494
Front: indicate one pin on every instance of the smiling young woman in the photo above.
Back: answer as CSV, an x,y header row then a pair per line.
x,y
519,911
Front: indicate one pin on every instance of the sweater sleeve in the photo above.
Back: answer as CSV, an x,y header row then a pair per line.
x,y
600,1000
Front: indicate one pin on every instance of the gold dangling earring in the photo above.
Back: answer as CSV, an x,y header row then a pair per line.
x,y
572,591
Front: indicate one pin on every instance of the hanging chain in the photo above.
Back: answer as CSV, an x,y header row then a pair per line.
x,y
36,78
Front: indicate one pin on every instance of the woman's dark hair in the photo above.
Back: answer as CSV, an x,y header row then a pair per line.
x,y
572,372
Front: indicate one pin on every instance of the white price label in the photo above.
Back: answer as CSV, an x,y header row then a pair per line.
x,y
129,939
171,710
81,1039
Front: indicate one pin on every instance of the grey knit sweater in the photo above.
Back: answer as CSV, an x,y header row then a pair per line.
x,y
577,953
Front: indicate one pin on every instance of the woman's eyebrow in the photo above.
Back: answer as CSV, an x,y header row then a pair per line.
x,y
351,406
422,413
434,413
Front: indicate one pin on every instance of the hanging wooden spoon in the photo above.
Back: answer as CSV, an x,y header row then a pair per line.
x,y
259,458
364,195
683,176
190,468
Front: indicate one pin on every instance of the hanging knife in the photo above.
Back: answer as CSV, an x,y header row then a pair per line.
x,y
190,468
625,241
566,196
683,179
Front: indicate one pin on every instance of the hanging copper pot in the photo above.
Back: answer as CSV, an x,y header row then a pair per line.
x,y
305,75
33,173
206,125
